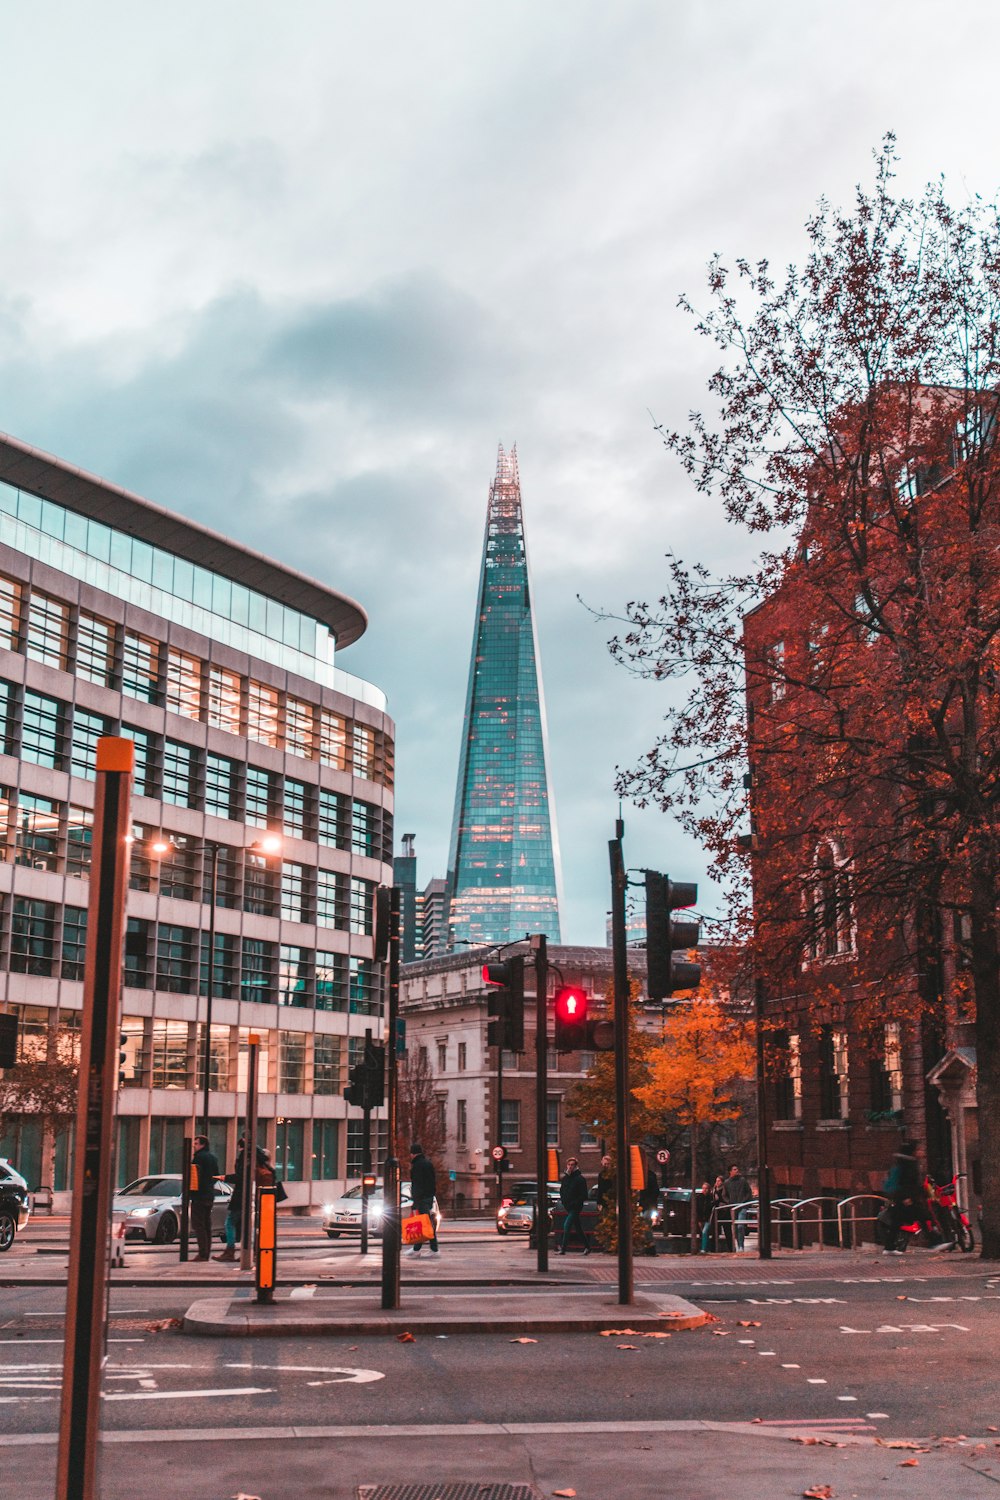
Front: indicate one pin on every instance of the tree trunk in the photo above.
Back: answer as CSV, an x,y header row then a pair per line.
x,y
695,1231
986,974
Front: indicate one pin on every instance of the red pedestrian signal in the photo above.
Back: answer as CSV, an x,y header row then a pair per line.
x,y
571,1005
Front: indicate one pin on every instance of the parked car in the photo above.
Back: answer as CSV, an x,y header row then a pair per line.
x,y
516,1212
150,1208
343,1215
10,1174
15,1208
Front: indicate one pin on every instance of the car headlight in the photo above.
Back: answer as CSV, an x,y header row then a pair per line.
x,y
142,1213
375,1210
328,1208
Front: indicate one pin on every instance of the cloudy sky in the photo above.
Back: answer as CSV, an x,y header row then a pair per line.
x,y
297,269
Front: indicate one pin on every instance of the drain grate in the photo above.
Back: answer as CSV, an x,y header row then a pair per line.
x,y
465,1490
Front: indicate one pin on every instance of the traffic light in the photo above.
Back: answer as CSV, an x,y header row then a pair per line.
x,y
355,1090
8,1041
571,1004
382,921
664,973
122,1057
506,1003
366,1089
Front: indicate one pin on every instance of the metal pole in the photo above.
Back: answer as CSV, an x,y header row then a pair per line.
x,y
185,1230
210,984
619,883
763,1171
391,1227
366,1151
499,1134
541,947
250,1155
93,1166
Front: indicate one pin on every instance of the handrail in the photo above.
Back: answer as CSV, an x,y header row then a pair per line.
x,y
855,1216
788,1213
820,1220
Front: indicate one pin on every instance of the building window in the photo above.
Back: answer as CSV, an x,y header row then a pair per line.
x,y
299,728
296,813
166,1145
144,777
331,981
74,941
262,797
329,820
333,740
510,1122
362,906
833,1079
509,1060
260,885
832,928
257,974
887,1072
364,1001
461,1122
178,870
552,1122
140,668
325,1150
79,840
43,731
363,759
463,1053
776,675
8,716
138,953
179,782
262,714
32,944
442,1051
331,903
10,614
175,953
326,1064
87,730
47,638
788,1080
36,841
169,1054
291,1062
223,968
220,786
183,695
363,828
294,893
223,706
95,649
218,1058
293,976
587,1137
355,1145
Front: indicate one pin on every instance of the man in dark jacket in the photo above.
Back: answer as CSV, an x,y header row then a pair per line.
x,y
573,1193
735,1191
423,1187
206,1167
234,1218
904,1188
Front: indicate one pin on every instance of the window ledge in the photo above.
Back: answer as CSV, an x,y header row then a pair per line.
x,y
786,1125
833,1124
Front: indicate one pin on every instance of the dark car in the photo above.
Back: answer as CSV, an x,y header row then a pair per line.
x,y
15,1210
557,1220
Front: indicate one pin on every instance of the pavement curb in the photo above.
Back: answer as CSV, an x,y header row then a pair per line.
x,y
217,1317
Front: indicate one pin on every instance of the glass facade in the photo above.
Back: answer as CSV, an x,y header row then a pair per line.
x,y
503,871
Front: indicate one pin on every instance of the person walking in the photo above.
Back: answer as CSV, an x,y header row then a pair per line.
x,y
605,1188
206,1166
737,1191
573,1195
423,1189
905,1189
715,1196
234,1218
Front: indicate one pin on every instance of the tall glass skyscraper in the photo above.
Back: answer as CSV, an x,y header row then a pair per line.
x,y
503,871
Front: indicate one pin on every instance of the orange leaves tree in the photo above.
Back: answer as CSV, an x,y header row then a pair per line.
x,y
841,704
694,1073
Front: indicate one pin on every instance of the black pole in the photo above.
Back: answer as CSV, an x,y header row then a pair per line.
x,y
250,1155
366,1150
763,1171
619,882
210,986
499,1134
541,947
93,1166
185,1229
391,1226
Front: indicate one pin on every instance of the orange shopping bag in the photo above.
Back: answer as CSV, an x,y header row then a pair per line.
x,y
417,1228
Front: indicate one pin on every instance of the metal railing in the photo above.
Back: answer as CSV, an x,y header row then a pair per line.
x,y
837,1222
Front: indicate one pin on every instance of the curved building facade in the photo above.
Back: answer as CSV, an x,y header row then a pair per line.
x,y
263,786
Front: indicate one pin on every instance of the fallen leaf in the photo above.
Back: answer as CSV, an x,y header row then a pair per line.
x,y
160,1324
626,1346
721,1333
657,1335
909,1463
569,1493
352,1348
748,1323
901,1297
405,1338
241,1496
814,1442
993,1429
524,1341
903,1443
818,1492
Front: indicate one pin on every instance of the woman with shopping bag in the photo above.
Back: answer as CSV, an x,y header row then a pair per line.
x,y
423,1186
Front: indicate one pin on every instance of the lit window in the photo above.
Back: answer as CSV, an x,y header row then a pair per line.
x,y
224,700
183,684
262,713
833,1073
333,740
299,728
95,649
10,614
140,667
48,630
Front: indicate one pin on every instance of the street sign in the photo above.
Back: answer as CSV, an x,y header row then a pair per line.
x,y
498,1152
663,1156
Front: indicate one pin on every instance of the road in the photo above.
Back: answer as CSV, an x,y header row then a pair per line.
x,y
897,1354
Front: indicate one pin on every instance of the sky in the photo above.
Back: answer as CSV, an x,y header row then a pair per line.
x,y
296,270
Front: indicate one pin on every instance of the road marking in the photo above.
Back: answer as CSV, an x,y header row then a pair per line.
x,y
246,1390
800,1301
299,1293
814,1380
342,1373
791,1367
877,1416
847,1398
766,1353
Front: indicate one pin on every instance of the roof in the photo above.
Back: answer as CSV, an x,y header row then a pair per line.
x,y
41,474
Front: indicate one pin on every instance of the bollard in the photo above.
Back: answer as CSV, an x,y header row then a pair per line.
x,y
118,1244
267,1244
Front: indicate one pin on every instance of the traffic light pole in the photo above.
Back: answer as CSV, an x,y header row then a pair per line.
x,y
499,1164
619,883
763,1171
541,947
391,1226
366,1154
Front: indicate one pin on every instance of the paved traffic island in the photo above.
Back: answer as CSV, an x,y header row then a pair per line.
x,y
351,1314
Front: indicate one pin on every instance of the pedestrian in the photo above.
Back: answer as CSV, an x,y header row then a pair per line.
x,y
605,1188
715,1197
206,1167
234,1218
423,1190
737,1190
905,1191
573,1195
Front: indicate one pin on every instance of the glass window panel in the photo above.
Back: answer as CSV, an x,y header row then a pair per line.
x,y
95,649
218,1058
552,1122
138,953
183,586
261,885
178,869
33,928
262,713
299,728
75,530
169,1054
223,969
291,1062
224,699
202,588
355,1145
261,797
8,713
293,976
140,667
333,740
99,540
79,840
363,828
331,981
87,730
43,731
8,822
296,809
364,1000
364,751
331,899
222,596
142,560
47,636
288,1146
10,613
179,774
326,1065
257,976
325,1148
510,1122
294,892
175,951
74,941
331,818
163,570
183,695
36,842
144,783
221,786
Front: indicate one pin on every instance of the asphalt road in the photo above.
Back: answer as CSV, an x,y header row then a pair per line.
x,y
891,1354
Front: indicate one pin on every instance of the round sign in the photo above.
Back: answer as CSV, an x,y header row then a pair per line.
x,y
498,1152
663,1156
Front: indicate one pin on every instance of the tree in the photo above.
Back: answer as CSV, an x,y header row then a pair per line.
x,y
694,1073
853,441
43,1085
418,1115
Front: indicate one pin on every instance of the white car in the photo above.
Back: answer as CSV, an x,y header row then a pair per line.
x,y
150,1208
8,1174
343,1215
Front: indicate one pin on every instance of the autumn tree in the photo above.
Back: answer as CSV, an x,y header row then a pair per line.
x,y
695,1072
851,437
42,1087
419,1115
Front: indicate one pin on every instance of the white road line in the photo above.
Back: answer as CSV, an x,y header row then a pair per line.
x,y
246,1390
814,1380
847,1398
342,1372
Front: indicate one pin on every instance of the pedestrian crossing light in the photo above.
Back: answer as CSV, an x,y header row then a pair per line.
x,y
571,1006
664,936
505,1005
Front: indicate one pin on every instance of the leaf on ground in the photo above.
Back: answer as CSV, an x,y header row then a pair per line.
x,y
241,1496
993,1429
818,1492
657,1335
568,1493
524,1341
160,1324
626,1346
721,1333
902,1443
909,1463
815,1442
619,1333
748,1323
902,1297
405,1338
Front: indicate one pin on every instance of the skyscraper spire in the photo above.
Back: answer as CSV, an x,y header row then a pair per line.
x,y
503,871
